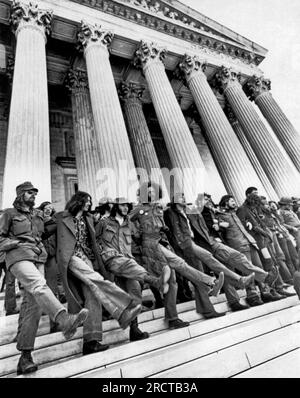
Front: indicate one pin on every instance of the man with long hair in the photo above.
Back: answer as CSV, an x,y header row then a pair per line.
x,y
21,229
83,272
157,252
113,234
239,238
190,236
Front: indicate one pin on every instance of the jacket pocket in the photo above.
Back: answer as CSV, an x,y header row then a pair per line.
x,y
109,233
128,239
21,225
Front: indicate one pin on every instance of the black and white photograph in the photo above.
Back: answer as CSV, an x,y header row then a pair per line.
x,y
149,192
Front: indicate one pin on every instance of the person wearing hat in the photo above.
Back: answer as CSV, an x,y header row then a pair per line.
x,y
21,229
157,252
113,235
290,219
190,236
103,209
86,282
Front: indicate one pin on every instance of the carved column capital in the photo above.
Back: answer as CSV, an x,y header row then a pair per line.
x,y
190,65
76,80
226,77
89,35
131,92
256,86
149,53
30,16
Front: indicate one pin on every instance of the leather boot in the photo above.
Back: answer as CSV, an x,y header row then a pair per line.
x,y
218,284
135,333
91,347
26,364
237,306
68,323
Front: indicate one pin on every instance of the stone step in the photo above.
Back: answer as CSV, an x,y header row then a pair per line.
x,y
256,334
136,349
243,356
53,347
286,365
9,324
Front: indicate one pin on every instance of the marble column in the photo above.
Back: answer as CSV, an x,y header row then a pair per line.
x,y
28,142
282,175
117,174
139,135
187,164
271,193
233,164
87,155
258,90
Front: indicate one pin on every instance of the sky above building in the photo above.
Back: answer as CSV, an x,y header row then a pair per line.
x,y
274,24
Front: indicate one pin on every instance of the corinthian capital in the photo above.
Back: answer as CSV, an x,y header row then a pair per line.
x,y
225,77
76,80
30,15
130,91
189,66
257,85
93,34
149,52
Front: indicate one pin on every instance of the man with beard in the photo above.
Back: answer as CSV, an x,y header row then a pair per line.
x,y
113,235
250,213
190,234
237,237
21,229
83,272
157,252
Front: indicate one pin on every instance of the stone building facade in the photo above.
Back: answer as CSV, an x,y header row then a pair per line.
x,y
85,84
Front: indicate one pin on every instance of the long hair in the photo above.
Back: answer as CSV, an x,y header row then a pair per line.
x,y
115,207
43,205
77,202
224,200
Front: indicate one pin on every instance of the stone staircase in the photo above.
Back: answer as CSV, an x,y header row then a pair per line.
x,y
262,341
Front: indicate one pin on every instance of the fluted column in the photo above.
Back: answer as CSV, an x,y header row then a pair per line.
x,y
28,142
271,194
186,161
116,176
283,176
87,154
258,90
139,135
234,167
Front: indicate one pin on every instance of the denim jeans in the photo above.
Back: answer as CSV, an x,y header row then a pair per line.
x,y
180,266
37,298
10,302
236,260
126,268
104,292
290,252
132,287
170,298
207,258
